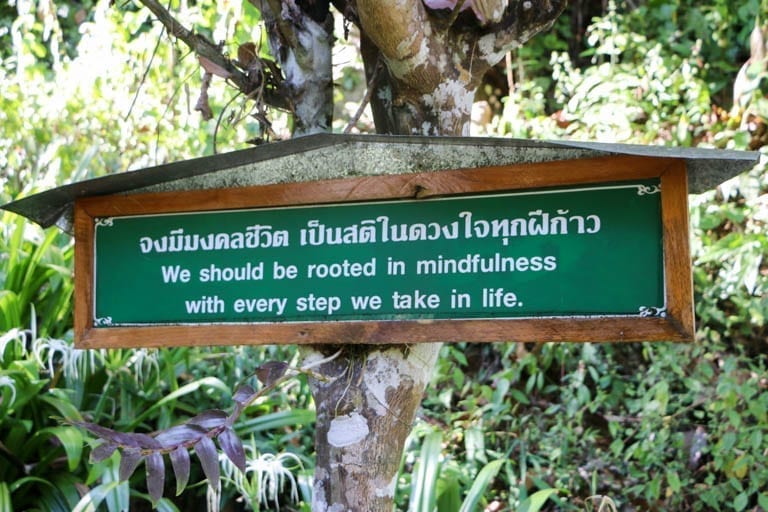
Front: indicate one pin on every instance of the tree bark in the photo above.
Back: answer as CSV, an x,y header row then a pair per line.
x,y
301,40
434,62
364,415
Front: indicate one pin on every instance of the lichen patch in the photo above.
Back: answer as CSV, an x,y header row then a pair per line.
x,y
347,430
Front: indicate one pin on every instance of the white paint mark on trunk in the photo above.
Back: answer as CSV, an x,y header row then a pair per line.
x,y
389,490
382,373
451,102
388,371
405,50
318,492
488,51
347,430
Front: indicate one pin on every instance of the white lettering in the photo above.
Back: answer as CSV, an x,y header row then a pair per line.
x,y
261,305
343,269
247,272
204,305
366,302
415,300
328,305
174,274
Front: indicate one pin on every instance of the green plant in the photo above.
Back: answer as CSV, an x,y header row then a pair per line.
x,y
197,433
438,483
35,269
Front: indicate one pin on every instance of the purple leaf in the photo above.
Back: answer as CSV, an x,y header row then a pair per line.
x,y
180,434
103,451
129,461
209,419
119,438
270,372
243,395
126,439
209,459
155,476
180,463
242,398
97,430
147,442
232,447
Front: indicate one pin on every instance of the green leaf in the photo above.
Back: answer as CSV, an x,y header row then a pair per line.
x,y
71,440
211,382
674,481
535,501
484,478
5,497
166,505
91,501
762,500
118,500
58,399
423,485
741,501
519,396
448,491
21,482
274,421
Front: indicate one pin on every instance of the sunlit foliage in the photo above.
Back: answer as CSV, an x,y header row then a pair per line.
x,y
90,89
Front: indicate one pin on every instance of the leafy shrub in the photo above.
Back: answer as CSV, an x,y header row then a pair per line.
x,y
653,427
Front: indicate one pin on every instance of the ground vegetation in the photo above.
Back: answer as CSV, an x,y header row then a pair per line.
x,y
91,88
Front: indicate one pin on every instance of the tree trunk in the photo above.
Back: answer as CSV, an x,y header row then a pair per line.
x,y
364,415
424,69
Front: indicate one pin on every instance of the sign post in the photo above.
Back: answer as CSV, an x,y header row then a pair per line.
x,y
584,250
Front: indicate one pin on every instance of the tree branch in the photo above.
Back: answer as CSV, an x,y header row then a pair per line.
x,y
302,46
395,27
523,20
366,99
204,48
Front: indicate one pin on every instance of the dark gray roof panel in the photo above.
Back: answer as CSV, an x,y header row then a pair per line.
x,y
327,156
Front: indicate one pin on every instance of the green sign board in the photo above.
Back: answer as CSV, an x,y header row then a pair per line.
x,y
582,251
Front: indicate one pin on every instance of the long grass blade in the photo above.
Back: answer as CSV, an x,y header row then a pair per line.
x,y
536,501
5,497
484,478
424,487
274,421
91,501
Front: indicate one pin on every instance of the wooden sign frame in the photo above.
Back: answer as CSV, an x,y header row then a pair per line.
x,y
677,324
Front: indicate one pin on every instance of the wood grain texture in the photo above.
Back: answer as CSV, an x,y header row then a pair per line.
x,y
677,255
611,329
84,253
676,326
